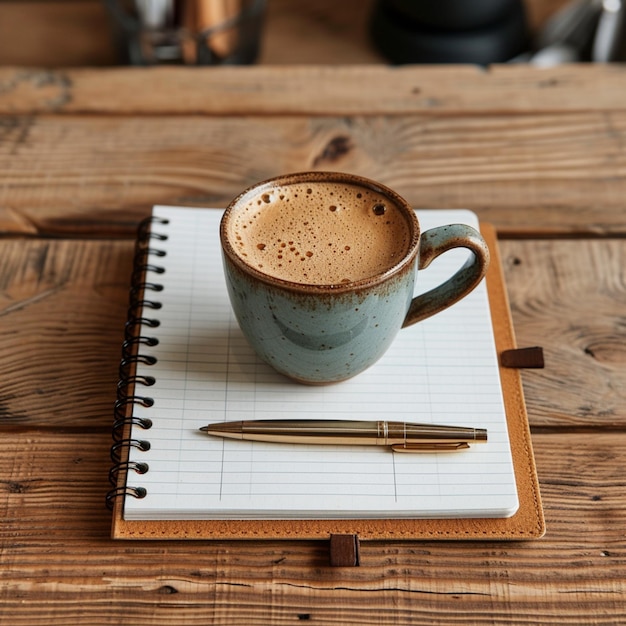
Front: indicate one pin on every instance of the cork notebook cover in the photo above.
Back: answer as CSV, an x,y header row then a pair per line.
x,y
171,514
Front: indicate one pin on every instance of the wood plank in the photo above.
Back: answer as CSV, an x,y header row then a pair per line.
x,y
58,563
314,90
55,33
63,305
568,296
321,32
528,174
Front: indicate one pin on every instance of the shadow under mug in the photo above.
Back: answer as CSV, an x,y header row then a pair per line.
x,y
320,334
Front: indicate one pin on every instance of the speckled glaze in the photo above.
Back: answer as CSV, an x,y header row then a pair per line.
x,y
320,334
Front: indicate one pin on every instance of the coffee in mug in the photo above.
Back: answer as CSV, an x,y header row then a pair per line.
x,y
329,233
320,270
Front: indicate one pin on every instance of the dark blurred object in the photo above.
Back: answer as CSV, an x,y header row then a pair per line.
x,y
454,14
192,32
449,31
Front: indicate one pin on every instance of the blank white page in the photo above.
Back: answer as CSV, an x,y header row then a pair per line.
x,y
443,370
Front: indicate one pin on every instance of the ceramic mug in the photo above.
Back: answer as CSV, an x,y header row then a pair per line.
x,y
320,270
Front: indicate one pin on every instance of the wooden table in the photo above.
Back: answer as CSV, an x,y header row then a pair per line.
x,y
83,156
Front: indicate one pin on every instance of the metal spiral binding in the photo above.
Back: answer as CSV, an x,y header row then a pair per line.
x,y
137,492
130,383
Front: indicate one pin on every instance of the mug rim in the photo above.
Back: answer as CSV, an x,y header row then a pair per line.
x,y
321,176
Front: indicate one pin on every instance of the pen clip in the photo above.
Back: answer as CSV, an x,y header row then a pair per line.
x,y
430,447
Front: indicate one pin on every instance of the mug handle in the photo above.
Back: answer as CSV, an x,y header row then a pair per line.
x,y
434,242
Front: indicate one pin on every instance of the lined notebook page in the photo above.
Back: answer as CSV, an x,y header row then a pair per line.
x,y
443,370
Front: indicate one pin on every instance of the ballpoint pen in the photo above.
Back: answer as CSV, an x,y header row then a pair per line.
x,y
399,436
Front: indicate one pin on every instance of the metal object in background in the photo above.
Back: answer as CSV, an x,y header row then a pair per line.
x,y
608,44
582,31
191,32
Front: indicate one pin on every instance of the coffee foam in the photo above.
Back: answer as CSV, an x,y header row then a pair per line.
x,y
320,233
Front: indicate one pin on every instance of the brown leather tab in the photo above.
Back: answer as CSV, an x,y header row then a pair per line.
x,y
344,551
523,357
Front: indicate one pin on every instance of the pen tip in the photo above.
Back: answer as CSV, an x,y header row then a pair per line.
x,y
224,429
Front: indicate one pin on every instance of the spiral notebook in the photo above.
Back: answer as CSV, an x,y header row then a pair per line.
x,y
185,364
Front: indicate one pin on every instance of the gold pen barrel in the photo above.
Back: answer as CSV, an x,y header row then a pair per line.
x,y
401,436
337,432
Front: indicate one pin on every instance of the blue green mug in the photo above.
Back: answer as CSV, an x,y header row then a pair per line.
x,y
320,269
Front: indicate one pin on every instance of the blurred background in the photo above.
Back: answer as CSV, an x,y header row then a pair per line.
x,y
74,33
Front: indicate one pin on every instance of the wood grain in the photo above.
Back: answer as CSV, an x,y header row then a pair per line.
x,y
314,90
63,307
570,298
60,566
528,174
